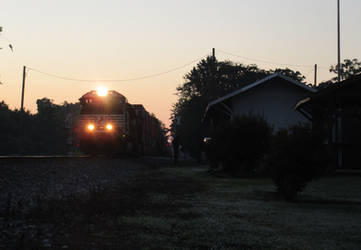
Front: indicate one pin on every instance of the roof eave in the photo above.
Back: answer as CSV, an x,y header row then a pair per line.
x,y
244,89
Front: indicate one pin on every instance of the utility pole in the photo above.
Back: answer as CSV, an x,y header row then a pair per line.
x,y
23,89
338,43
315,82
21,126
214,54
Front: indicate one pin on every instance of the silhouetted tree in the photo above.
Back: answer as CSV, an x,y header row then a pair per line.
x,y
41,133
239,145
348,68
296,75
298,156
9,126
159,135
52,132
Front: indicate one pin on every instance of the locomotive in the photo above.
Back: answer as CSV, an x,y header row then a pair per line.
x,y
109,125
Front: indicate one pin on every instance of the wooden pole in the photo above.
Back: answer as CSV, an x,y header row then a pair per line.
x,y
23,89
21,132
315,82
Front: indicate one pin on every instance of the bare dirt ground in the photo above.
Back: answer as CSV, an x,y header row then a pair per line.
x,y
123,204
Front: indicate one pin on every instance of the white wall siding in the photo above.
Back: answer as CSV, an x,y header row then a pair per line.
x,y
275,100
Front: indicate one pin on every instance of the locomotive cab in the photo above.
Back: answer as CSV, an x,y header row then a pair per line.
x,y
105,123
112,103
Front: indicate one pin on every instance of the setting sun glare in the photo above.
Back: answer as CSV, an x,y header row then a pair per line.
x,y
102,91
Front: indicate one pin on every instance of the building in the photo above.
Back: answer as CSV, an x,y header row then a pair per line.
x,y
336,110
273,98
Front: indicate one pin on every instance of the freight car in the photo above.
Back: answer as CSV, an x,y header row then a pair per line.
x,y
109,125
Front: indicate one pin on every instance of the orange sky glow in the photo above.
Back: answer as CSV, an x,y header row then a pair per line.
x,y
107,40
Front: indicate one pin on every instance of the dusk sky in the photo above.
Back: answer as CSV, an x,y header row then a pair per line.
x,y
130,39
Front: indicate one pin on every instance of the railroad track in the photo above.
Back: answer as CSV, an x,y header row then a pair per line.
x,y
152,160
28,157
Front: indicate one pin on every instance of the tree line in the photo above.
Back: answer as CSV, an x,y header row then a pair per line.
x,y
42,133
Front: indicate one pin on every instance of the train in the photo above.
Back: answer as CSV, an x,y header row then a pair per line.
x,y
109,125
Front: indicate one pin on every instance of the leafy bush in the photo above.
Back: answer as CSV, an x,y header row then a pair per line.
x,y
298,157
240,144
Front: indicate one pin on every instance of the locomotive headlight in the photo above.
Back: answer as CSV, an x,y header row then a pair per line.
x,y
109,127
91,127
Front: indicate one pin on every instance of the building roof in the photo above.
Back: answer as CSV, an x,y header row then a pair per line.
x,y
336,92
250,86
336,87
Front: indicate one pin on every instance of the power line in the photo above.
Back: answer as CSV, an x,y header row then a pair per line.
x,y
323,67
114,80
268,62
66,78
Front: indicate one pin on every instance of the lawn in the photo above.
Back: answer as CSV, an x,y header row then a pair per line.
x,y
185,207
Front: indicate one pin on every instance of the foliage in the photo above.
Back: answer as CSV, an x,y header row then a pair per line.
x,y
52,130
9,127
298,157
41,133
296,75
348,69
160,135
240,145
209,80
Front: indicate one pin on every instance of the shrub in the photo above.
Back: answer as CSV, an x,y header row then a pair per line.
x,y
240,144
298,156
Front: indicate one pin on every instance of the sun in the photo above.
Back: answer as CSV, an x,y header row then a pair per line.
x,y
102,91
